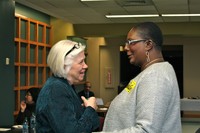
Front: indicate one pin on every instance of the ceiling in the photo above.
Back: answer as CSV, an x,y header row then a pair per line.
x,y
93,12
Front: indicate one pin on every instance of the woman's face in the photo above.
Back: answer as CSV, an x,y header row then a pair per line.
x,y
77,71
135,51
29,98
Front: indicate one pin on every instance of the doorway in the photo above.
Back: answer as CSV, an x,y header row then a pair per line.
x,y
172,53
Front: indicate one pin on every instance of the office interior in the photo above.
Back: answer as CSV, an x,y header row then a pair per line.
x,y
104,43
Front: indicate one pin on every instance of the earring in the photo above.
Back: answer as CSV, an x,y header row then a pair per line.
x,y
148,58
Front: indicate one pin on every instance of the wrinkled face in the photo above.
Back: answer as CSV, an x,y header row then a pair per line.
x,y
29,98
78,68
136,50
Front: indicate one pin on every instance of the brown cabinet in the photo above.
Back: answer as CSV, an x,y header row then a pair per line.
x,y
32,44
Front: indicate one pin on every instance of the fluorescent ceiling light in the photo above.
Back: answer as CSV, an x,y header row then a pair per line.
x,y
94,0
152,15
131,16
180,15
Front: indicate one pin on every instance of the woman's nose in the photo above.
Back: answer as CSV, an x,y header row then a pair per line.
x,y
85,65
126,47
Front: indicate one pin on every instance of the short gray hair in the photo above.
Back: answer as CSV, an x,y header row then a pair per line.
x,y
58,61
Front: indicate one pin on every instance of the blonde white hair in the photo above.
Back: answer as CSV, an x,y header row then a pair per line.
x,y
58,61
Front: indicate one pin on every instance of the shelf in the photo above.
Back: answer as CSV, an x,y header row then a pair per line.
x,y
32,43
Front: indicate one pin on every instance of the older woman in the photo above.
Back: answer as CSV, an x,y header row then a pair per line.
x,y
59,109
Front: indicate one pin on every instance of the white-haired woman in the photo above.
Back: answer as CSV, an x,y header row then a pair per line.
x,y
59,109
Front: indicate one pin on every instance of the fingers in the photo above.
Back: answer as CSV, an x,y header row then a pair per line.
x,y
83,98
22,102
89,102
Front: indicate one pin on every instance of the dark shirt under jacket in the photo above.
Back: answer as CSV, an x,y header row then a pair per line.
x,y
86,94
30,108
59,110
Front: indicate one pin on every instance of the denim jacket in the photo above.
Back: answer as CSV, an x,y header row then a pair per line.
x,y
59,110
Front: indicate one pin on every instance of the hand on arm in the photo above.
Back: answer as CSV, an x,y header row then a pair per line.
x,y
89,102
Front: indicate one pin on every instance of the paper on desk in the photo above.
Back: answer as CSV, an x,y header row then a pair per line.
x,y
18,126
5,129
103,109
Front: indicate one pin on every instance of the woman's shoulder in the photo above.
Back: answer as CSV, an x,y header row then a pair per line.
x,y
56,86
55,82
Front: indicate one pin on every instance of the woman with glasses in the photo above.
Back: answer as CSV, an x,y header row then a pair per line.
x,y
59,108
27,107
150,103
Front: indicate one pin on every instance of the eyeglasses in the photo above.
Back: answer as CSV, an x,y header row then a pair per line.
x,y
87,86
76,46
129,42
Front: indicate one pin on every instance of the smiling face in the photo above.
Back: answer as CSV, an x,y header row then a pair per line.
x,y
77,70
136,50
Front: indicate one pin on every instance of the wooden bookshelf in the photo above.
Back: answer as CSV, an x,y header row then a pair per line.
x,y
32,45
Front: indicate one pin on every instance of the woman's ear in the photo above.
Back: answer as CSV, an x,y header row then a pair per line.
x,y
149,45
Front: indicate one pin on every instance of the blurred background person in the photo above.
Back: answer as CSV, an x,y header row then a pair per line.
x,y
59,108
28,106
86,92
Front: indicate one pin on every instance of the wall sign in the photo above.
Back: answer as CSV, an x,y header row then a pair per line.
x,y
109,77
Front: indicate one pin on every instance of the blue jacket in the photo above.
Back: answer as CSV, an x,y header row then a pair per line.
x,y
59,110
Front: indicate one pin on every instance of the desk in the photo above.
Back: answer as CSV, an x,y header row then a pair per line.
x,y
15,131
102,110
190,108
190,104
12,130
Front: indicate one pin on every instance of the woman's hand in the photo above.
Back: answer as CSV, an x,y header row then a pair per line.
x,y
89,102
23,106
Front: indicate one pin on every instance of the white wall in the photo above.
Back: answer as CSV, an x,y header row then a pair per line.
x,y
191,69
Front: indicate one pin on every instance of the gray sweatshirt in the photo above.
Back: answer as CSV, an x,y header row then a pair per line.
x,y
149,104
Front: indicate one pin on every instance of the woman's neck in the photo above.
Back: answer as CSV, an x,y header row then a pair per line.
x,y
155,60
30,102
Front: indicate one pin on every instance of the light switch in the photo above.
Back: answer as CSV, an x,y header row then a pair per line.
x,y
7,61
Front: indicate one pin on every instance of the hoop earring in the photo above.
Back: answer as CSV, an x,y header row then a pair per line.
x,y
148,58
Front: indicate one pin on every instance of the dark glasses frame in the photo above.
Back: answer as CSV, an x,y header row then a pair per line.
x,y
76,46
